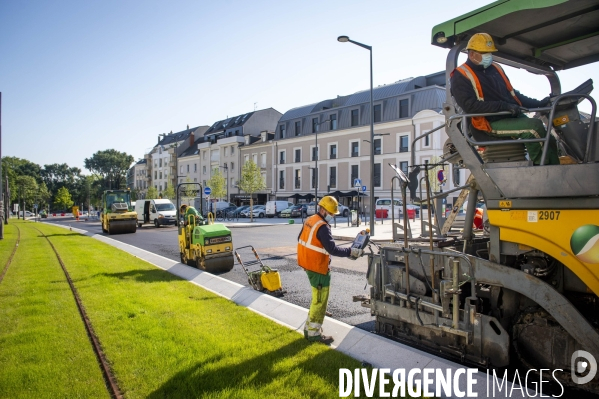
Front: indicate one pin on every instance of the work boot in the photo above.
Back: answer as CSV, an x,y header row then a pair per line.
x,y
323,339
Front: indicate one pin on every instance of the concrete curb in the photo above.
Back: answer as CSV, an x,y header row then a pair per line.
x,y
361,345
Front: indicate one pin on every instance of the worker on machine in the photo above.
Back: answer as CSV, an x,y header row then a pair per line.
x,y
480,86
314,249
187,210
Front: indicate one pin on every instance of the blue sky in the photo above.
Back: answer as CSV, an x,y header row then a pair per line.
x,y
81,76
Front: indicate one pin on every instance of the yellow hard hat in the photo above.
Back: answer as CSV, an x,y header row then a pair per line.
x,y
481,42
329,204
183,207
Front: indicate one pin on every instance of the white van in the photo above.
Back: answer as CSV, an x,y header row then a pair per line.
x,y
385,203
160,212
274,208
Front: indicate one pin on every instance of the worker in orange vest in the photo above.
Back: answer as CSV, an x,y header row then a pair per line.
x,y
314,249
480,86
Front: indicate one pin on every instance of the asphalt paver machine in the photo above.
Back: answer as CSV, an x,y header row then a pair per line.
x,y
525,291
202,243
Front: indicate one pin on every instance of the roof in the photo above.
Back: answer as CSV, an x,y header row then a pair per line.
x,y
141,161
176,137
229,123
560,34
193,149
401,87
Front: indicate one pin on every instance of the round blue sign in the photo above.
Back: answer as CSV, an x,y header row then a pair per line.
x,y
207,190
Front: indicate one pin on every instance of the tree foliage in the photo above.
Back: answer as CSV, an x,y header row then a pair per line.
x,y
169,192
251,181
217,184
112,165
63,198
152,193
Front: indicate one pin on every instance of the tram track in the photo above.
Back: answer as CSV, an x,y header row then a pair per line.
x,y
109,377
8,262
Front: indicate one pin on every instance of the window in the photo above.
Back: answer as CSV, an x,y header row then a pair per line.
x,y
246,158
160,174
233,166
204,183
377,174
181,169
160,162
354,117
232,182
378,114
255,158
298,155
204,155
355,149
297,178
403,144
232,149
161,187
404,167
281,157
298,128
333,176
226,150
195,167
354,174
377,146
187,168
315,125
195,179
281,131
165,186
315,153
427,140
263,160
333,121
333,152
204,169
403,108
281,179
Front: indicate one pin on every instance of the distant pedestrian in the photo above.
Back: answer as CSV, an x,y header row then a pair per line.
x,y
314,249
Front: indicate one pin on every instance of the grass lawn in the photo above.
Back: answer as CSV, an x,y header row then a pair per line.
x,y
8,244
164,337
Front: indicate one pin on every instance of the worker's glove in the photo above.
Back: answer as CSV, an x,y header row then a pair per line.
x,y
356,253
514,109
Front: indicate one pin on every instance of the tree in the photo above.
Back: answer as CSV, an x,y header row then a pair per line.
x,y
168,192
63,198
152,193
251,181
112,165
217,184
26,187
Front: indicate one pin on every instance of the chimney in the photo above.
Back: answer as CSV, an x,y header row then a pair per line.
x,y
263,134
191,139
188,127
247,139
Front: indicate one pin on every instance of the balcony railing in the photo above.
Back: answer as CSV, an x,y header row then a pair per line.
x,y
282,183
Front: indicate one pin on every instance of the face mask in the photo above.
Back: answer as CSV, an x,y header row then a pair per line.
x,y
487,60
328,217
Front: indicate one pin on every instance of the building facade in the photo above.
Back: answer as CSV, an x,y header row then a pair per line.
x,y
137,178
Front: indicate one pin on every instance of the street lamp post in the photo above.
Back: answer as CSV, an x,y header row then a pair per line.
x,y
344,39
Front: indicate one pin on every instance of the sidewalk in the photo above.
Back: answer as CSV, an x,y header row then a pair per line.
x,y
362,345
382,230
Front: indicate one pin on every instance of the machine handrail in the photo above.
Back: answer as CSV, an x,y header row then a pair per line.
x,y
544,140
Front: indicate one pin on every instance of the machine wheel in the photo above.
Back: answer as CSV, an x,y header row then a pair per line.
x,y
108,229
183,257
156,224
138,224
103,229
200,263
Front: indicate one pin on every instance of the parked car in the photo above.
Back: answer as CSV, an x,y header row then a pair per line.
x,y
294,211
273,208
240,209
311,208
227,210
385,204
257,211
343,211
27,214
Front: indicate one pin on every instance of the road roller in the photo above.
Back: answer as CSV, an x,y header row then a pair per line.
x,y
117,214
202,243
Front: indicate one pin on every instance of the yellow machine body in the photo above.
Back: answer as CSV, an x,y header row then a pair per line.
x,y
551,231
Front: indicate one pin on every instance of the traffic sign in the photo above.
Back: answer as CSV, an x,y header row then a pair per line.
x,y
440,176
34,206
357,183
363,189
207,190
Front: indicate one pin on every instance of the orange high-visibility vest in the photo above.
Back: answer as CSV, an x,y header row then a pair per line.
x,y
480,122
311,254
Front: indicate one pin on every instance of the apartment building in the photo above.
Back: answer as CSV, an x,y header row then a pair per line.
x,y
259,150
324,147
218,149
137,178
